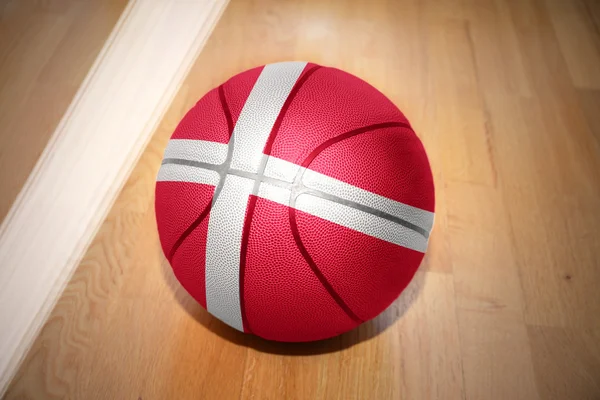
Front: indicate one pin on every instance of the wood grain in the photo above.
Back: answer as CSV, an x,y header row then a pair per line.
x,y
505,305
46,50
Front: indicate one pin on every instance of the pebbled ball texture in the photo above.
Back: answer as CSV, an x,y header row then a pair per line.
x,y
305,276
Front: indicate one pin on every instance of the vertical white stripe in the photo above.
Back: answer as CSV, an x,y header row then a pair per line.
x,y
260,112
225,226
226,218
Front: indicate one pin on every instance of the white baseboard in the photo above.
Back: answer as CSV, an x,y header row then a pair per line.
x,y
89,157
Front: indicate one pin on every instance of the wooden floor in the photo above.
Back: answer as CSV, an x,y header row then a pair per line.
x,y
46,50
506,98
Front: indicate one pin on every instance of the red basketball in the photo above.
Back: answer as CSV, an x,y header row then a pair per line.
x,y
294,202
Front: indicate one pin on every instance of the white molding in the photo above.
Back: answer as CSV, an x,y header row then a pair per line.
x,y
88,158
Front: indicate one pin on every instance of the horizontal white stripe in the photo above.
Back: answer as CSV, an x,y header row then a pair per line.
x,y
197,150
361,221
327,184
274,193
331,211
349,217
185,173
281,169
286,171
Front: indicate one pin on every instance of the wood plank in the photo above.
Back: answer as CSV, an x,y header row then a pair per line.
x,y
45,54
578,39
429,352
496,357
485,270
590,104
552,160
461,118
567,362
497,58
494,344
592,8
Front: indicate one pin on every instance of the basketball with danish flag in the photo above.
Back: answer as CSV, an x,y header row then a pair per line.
x,y
294,202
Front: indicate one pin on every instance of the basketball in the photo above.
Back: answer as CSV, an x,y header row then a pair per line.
x,y
294,202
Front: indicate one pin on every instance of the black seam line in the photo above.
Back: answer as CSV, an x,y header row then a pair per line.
x,y
223,169
226,110
296,188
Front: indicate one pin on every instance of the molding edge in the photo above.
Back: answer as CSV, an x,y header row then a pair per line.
x,y
88,159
